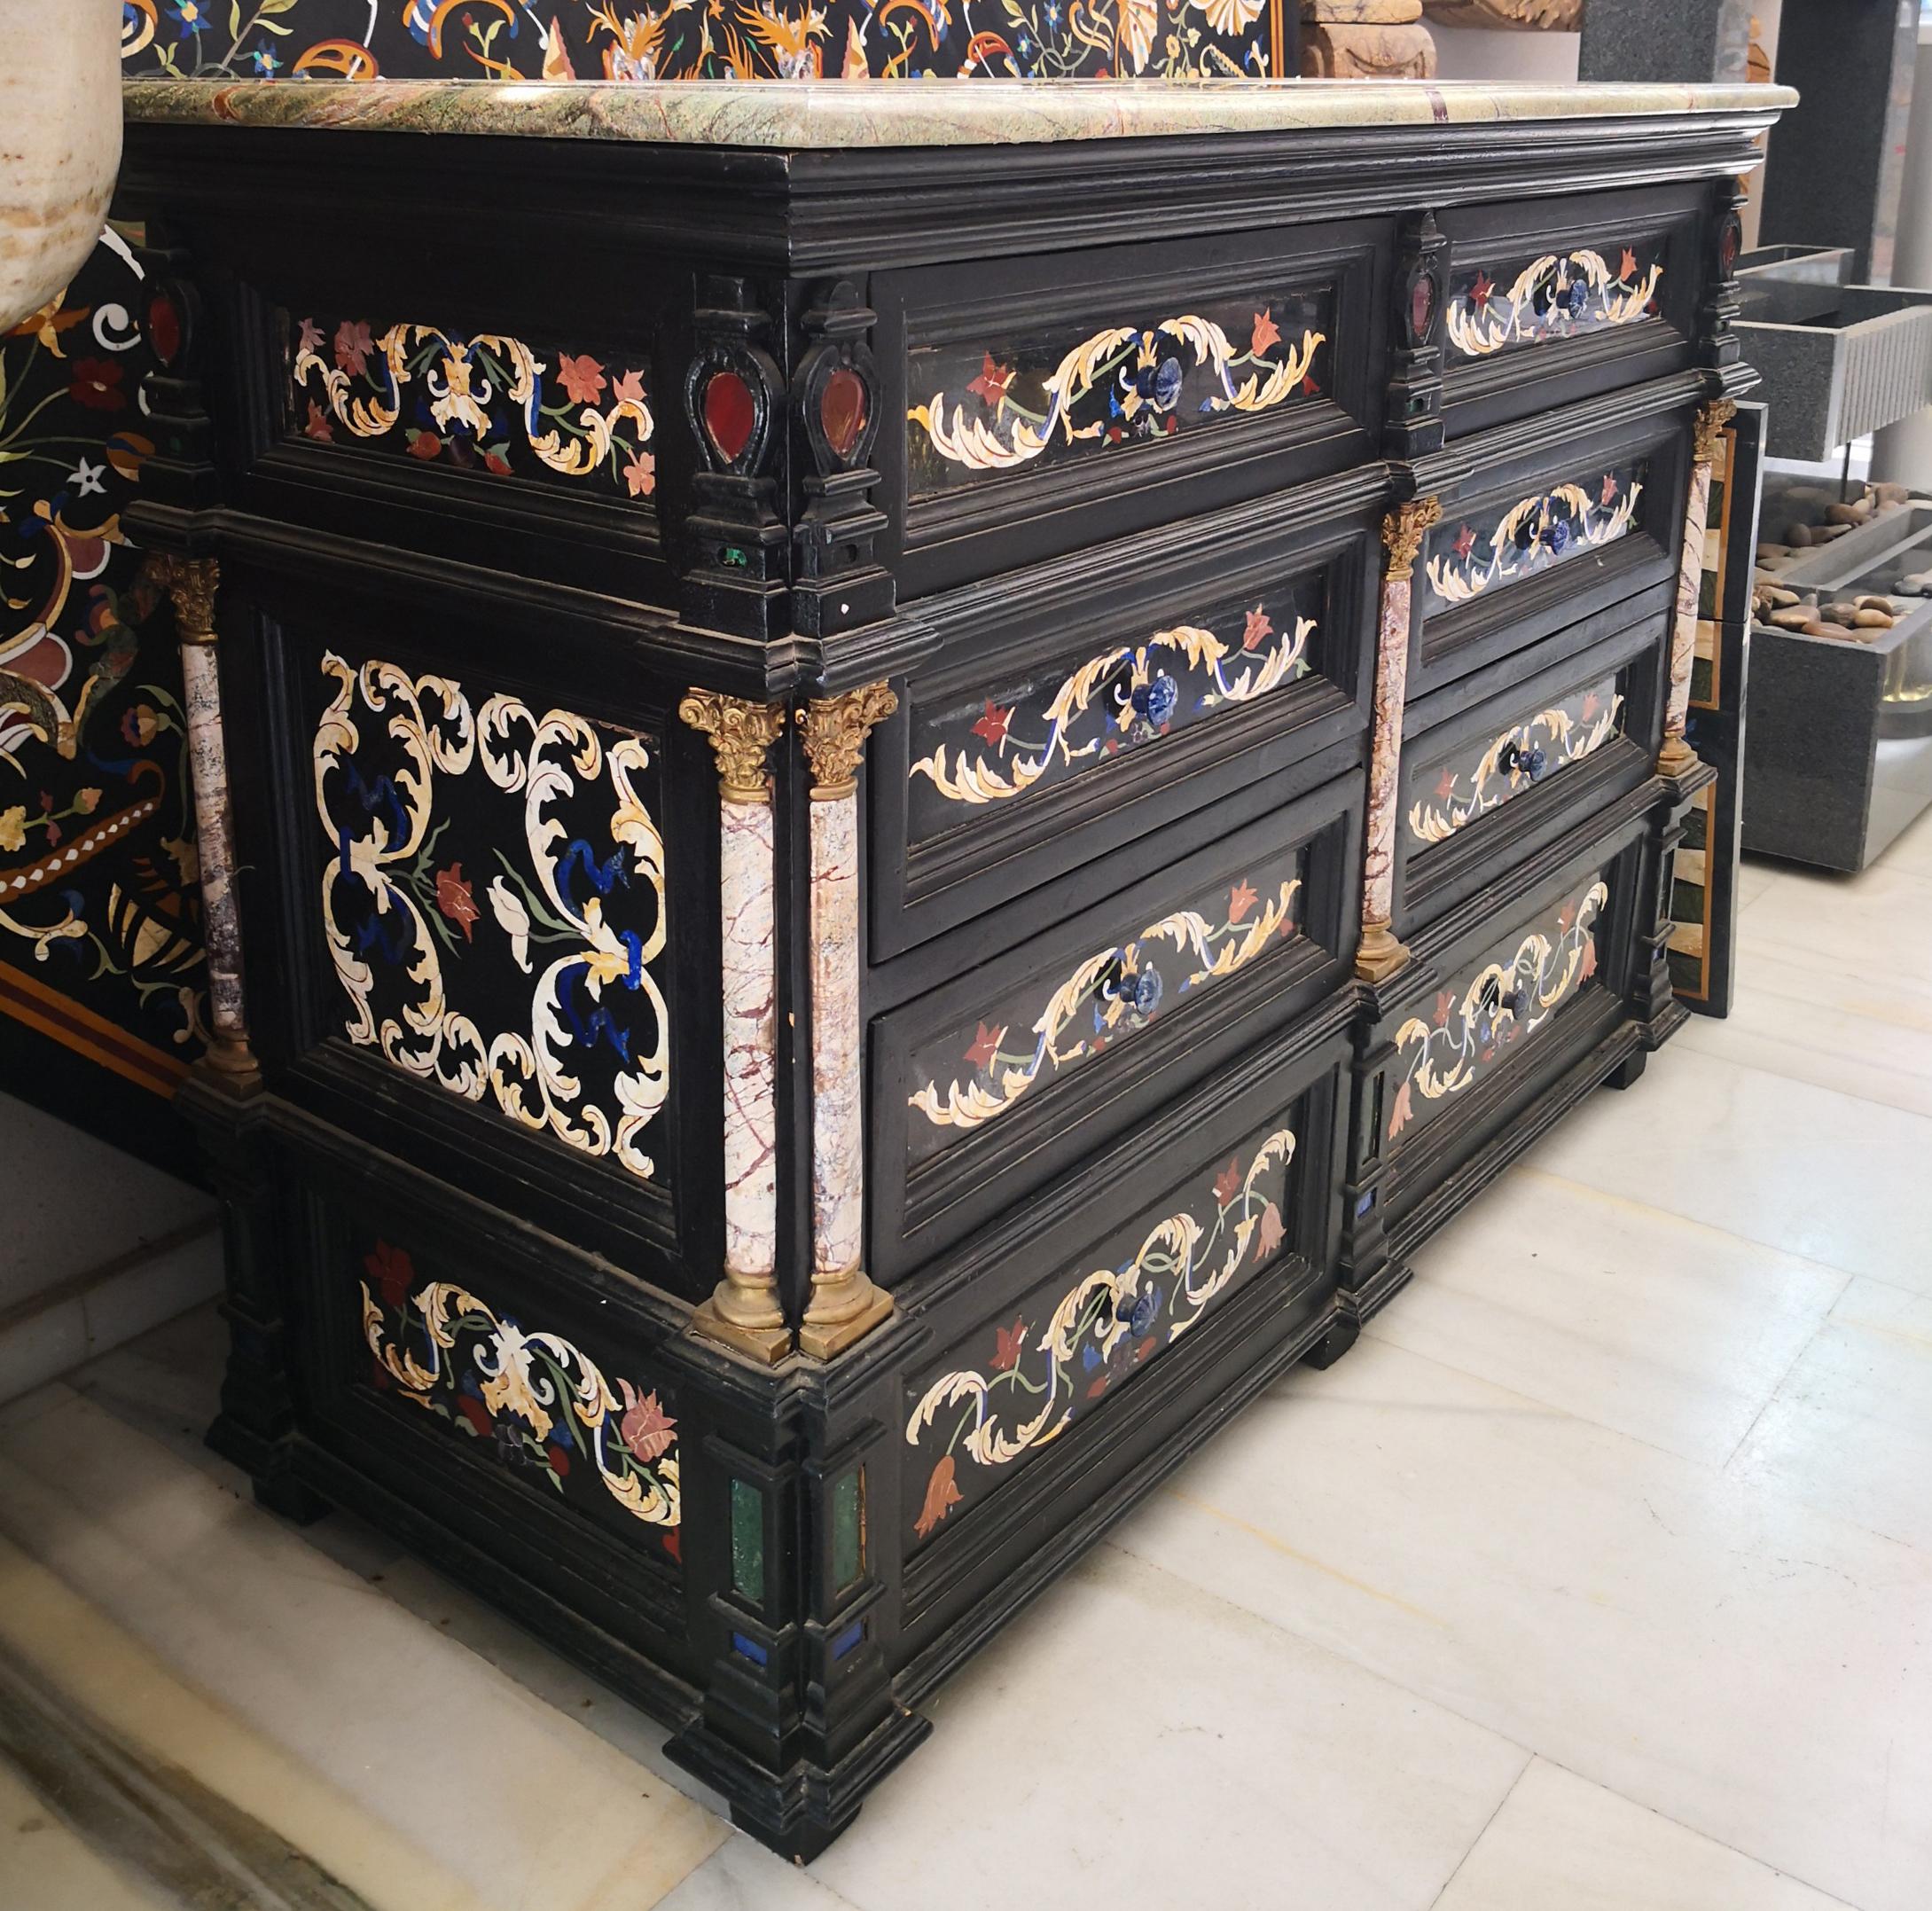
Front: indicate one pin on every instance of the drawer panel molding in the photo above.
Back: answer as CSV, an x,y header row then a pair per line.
x,y
1580,514
1514,993
1554,295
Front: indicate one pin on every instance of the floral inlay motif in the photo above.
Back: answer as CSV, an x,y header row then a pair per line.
x,y
572,869
1128,695
539,1402
1554,296
1113,994
1123,383
489,403
1535,532
1040,1376
1524,754
1512,995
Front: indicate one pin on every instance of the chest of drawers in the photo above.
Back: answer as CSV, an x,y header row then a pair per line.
x,y
894,784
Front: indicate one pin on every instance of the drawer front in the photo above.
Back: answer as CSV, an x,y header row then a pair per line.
x,y
989,1083
1491,774
1525,548
1599,291
1048,403
1069,713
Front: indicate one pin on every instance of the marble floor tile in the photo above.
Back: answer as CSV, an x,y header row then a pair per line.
x,y
1753,879
1133,1741
743,1875
37,1346
455,1765
1810,1171
1879,922
1661,1327
1561,1844
45,1860
1712,1649
1850,1429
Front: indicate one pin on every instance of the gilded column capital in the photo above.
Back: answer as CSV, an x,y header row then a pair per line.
x,y
1403,532
1711,422
740,734
191,584
835,729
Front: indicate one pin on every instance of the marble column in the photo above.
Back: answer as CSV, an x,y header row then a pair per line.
x,y
844,1303
1378,955
1676,755
191,584
744,1311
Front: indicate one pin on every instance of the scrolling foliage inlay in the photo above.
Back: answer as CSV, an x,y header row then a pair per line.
x,y
505,949
1536,532
1041,1376
1555,295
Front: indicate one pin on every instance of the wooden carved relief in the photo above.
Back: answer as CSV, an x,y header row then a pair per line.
x,y
492,902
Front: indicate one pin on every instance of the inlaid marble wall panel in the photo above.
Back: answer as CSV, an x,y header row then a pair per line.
x,y
1484,1017
597,1433
1047,1025
491,893
1483,548
486,402
1089,1329
1531,298
1034,730
1073,391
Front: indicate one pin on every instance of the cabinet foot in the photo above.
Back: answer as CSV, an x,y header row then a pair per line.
x,y
1627,1070
1343,1331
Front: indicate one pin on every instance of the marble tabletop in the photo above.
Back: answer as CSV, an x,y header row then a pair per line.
x,y
829,114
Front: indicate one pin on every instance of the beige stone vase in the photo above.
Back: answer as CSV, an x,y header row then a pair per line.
x,y
59,142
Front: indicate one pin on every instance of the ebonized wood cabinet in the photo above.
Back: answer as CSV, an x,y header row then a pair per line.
x,y
912,779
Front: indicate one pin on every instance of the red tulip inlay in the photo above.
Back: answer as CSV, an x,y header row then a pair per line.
x,y
841,411
1422,307
730,413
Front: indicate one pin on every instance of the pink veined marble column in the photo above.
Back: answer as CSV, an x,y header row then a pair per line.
x,y
1378,954
844,1303
191,584
1676,755
744,1311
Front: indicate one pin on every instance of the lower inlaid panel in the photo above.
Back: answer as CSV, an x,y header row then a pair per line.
x,y
1087,1330
1486,1016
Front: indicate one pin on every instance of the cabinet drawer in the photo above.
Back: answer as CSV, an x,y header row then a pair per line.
x,y
1489,774
1046,403
987,1085
1099,699
1599,292
1528,547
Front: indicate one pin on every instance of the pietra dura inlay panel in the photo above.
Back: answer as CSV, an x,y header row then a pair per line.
x,y
1550,295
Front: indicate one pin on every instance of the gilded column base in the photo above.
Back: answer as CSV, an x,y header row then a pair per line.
x,y
1378,954
767,1345
1676,758
230,1065
844,1309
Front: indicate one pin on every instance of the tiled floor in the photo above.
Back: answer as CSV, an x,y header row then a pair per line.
x,y
1598,1578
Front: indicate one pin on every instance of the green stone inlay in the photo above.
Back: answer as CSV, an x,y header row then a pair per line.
x,y
748,1542
848,1528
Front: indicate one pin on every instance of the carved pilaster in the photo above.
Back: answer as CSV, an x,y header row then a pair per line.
x,y
1717,343
744,1311
1378,954
191,584
844,1303
1676,756
1414,422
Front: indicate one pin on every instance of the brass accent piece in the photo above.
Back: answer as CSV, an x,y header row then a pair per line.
x,y
743,1313
1711,422
835,729
1378,954
844,1308
190,583
1676,758
1403,532
740,734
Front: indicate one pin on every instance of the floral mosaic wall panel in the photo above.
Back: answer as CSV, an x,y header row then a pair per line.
x,y
1468,556
1478,1023
1553,295
492,897
1038,731
1089,1329
1043,1029
532,1400
100,936
1063,392
724,40
1454,791
488,403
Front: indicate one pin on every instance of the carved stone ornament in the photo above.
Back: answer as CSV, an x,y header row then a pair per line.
x,y
1711,422
190,583
1403,532
1345,50
835,729
1537,16
740,734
